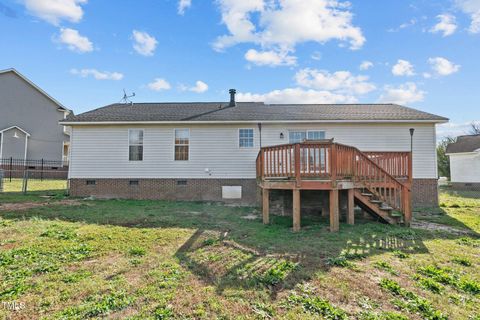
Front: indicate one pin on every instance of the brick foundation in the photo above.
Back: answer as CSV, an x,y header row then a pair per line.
x,y
167,189
466,186
425,193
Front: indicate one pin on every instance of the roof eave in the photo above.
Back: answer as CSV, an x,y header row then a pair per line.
x,y
70,123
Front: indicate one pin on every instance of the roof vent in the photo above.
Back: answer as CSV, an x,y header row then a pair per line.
x,y
232,97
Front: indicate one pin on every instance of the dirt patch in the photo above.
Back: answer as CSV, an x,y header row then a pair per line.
x,y
31,205
251,217
438,227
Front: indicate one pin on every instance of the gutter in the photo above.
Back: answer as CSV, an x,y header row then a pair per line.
x,y
80,123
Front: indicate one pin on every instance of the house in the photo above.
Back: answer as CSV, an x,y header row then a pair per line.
x,y
464,157
230,151
29,117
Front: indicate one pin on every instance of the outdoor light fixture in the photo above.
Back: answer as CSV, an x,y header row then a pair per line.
x,y
281,135
15,135
412,130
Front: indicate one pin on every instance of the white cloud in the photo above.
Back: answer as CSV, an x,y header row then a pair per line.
x,y
296,95
403,94
183,5
159,84
54,11
447,25
452,129
405,25
365,65
442,66
270,58
472,8
144,43
199,87
282,25
403,68
74,40
339,81
99,75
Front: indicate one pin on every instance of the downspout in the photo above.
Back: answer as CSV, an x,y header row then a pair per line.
x,y
1,145
260,133
26,146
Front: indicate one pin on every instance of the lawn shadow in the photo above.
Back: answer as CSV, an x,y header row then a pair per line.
x,y
229,249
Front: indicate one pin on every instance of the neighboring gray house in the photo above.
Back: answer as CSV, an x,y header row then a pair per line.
x,y
29,117
465,162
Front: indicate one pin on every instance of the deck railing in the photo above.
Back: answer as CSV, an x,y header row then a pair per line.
x,y
386,174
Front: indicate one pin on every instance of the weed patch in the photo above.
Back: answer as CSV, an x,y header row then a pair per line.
x,y
59,233
97,306
318,306
137,252
410,301
385,266
462,261
400,254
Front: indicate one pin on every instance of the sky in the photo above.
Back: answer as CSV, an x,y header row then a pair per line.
x,y
422,54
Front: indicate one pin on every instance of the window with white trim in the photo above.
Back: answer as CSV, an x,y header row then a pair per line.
x,y
135,145
245,138
182,144
300,136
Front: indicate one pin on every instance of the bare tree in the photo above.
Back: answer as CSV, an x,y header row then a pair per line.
x,y
474,128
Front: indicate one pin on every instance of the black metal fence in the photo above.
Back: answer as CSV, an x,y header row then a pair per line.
x,y
38,169
21,175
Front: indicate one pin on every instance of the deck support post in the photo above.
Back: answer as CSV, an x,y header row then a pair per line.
x,y
296,210
350,207
266,205
334,211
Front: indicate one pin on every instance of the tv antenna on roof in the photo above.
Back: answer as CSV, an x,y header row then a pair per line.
x,y
126,98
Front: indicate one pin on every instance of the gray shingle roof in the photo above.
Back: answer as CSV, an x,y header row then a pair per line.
x,y
252,111
464,144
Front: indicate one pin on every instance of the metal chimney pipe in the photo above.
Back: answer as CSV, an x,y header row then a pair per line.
x,y
232,97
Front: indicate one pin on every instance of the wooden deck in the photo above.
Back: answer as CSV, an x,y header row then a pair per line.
x,y
379,182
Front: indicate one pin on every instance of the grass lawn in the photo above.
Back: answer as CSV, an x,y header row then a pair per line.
x,y
33,185
77,259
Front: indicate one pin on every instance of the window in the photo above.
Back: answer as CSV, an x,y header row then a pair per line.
x,y
133,183
300,136
182,141
91,182
296,136
312,158
245,138
135,145
315,135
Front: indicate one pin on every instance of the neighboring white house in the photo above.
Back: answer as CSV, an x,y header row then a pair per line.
x,y
193,151
465,162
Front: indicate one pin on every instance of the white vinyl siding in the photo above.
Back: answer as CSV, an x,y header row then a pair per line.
x,y
98,151
465,167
